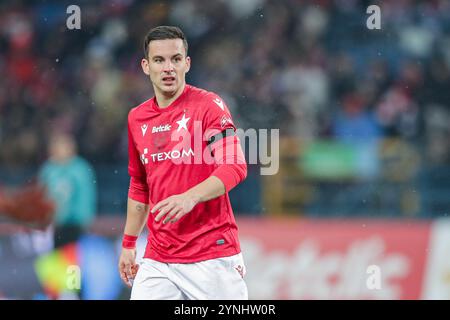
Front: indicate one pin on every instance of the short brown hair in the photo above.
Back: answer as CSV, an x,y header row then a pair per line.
x,y
163,33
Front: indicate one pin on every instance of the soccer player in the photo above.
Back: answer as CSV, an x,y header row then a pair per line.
x,y
179,184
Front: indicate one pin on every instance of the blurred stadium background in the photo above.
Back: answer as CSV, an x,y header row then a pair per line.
x,y
364,119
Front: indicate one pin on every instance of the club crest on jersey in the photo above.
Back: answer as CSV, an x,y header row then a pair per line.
x,y
144,129
161,140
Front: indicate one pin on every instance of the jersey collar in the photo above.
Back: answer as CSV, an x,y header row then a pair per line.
x,y
174,103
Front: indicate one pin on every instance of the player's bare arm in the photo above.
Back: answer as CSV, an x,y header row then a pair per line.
x,y
137,214
176,206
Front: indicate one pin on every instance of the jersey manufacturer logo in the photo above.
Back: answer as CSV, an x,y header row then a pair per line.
x,y
161,128
182,124
219,103
144,129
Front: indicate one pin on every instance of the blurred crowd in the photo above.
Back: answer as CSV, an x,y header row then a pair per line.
x,y
311,68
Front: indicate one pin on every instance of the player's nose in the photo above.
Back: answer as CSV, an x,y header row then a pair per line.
x,y
168,67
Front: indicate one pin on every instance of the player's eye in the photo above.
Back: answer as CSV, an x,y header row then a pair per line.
x,y
177,59
157,60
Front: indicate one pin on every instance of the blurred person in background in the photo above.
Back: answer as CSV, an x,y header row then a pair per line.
x,y
70,181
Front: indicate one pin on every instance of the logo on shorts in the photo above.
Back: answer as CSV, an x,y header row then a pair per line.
x,y
240,269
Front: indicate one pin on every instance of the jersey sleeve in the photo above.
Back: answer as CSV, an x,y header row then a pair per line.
x,y
138,189
220,134
217,116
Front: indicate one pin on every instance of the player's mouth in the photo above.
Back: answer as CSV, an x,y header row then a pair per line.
x,y
168,80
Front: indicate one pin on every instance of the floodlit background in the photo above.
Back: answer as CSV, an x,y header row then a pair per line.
x,y
357,209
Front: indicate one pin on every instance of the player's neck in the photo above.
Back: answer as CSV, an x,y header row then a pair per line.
x,y
166,100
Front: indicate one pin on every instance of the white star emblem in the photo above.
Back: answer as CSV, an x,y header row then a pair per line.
x,y
182,123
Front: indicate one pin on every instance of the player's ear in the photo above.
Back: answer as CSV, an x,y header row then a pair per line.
x,y
188,63
145,66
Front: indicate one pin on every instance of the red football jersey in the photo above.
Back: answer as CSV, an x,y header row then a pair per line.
x,y
168,151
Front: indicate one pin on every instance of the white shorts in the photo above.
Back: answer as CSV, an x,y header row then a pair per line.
x,y
215,279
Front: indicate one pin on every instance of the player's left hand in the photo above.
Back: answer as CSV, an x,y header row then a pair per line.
x,y
174,207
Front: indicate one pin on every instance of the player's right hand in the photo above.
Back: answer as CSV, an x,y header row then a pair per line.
x,y
127,266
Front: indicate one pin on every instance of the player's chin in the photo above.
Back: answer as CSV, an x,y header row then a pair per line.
x,y
169,87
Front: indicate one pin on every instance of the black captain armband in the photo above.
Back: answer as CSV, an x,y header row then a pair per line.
x,y
225,133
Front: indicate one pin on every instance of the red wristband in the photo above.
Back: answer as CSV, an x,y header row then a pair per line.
x,y
129,242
